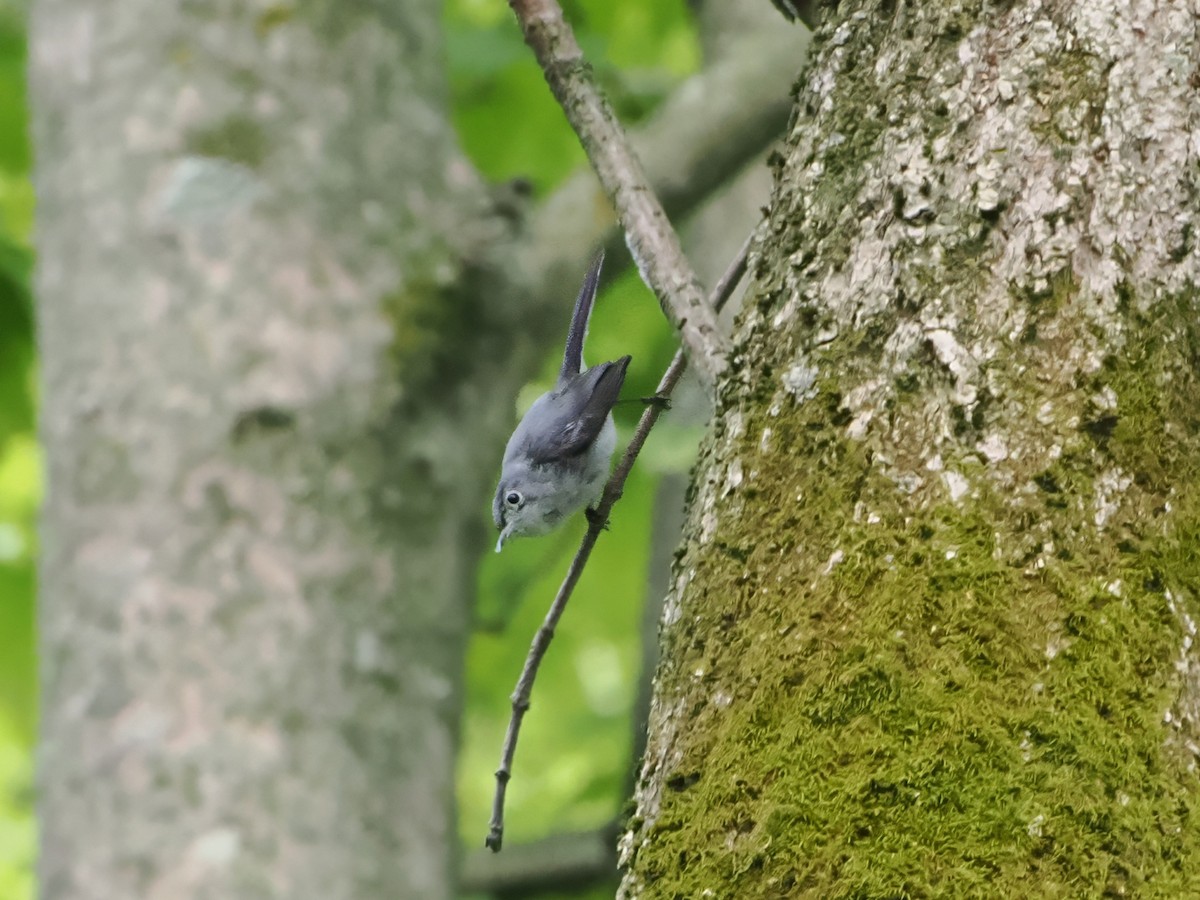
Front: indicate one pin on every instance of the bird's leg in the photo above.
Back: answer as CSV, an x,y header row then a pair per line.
x,y
593,516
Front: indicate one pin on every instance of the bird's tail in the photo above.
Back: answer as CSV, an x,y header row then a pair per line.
x,y
573,355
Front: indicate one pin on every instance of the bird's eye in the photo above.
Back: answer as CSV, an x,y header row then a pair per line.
x,y
513,498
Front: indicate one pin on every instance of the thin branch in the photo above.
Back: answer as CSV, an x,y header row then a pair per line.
x,y
708,129
652,242
596,523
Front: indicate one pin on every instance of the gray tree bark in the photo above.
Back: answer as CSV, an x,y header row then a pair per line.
x,y
932,629
255,332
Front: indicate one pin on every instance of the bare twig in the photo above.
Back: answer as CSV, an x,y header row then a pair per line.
x,y
703,133
652,242
596,523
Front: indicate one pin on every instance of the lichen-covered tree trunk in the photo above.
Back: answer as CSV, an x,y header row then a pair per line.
x,y
931,632
257,356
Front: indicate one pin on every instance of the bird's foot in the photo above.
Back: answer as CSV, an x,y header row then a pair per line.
x,y
594,518
663,403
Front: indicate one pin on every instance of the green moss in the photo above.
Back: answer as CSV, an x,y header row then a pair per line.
x,y
274,16
952,710
236,138
1047,301
434,330
1074,86
418,315
1154,377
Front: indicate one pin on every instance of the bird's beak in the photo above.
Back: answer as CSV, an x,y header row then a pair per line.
x,y
503,537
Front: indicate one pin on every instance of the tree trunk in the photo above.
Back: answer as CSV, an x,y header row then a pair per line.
x,y
932,627
261,518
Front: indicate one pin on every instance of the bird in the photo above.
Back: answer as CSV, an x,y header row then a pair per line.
x,y
559,455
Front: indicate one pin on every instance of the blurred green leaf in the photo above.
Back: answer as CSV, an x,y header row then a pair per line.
x,y
16,814
509,123
645,34
14,142
17,667
16,341
475,53
20,482
16,209
20,490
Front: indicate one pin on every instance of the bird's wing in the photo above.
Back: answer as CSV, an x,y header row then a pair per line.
x,y
580,409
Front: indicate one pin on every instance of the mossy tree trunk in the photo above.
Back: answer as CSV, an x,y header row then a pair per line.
x,y
260,341
931,630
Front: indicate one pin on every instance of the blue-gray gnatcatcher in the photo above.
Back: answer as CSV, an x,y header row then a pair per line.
x,y
558,458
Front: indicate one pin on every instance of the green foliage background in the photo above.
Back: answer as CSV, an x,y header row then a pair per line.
x,y
19,471
575,749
